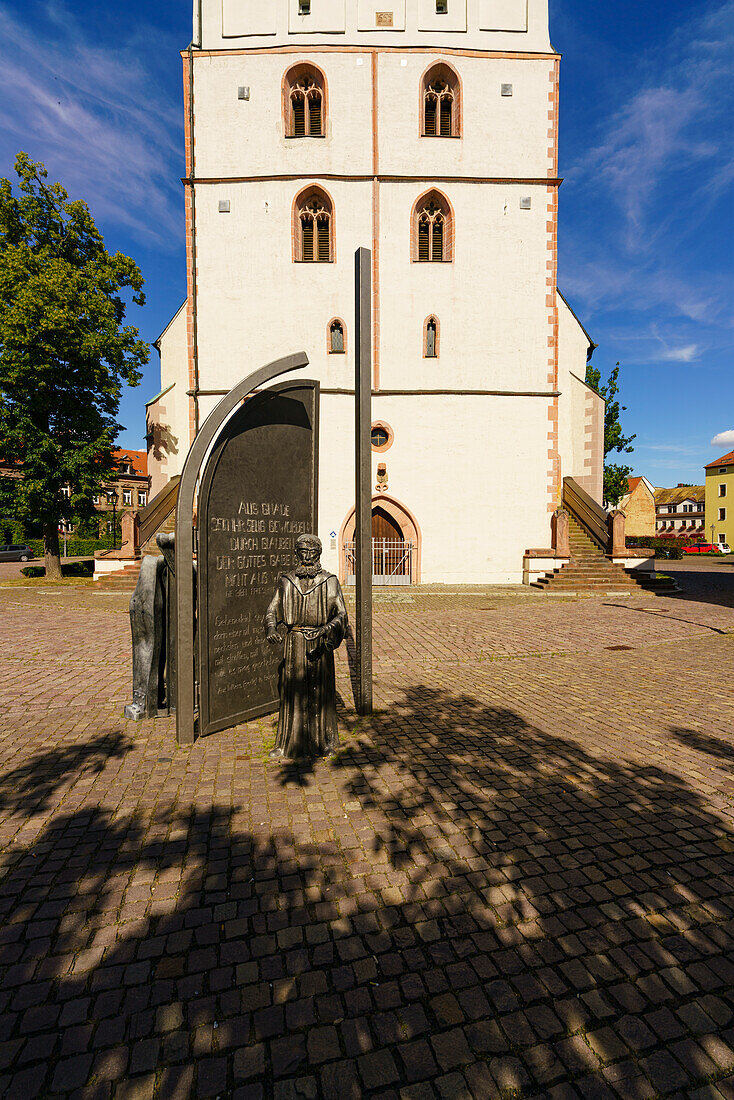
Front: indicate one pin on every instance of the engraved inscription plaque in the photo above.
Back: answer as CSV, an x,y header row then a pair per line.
x,y
258,494
384,18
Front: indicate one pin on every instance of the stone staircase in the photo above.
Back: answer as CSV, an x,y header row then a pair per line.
x,y
124,580
590,570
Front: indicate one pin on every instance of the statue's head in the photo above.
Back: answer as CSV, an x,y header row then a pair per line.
x,y
308,552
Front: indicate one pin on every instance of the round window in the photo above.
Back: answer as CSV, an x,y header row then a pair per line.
x,y
380,437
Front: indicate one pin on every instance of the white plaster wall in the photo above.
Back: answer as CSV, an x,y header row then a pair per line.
x,y
169,415
255,304
502,136
237,137
268,23
479,499
490,300
581,410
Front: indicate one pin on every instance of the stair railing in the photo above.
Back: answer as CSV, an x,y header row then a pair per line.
x,y
603,528
155,514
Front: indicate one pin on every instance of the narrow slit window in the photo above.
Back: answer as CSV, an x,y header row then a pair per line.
x,y
336,338
431,339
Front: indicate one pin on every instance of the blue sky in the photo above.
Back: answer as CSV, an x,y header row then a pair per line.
x,y
646,212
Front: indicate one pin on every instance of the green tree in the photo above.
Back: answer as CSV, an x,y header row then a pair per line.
x,y
64,351
615,441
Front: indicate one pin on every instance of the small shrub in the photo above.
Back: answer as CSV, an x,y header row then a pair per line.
x,y
668,549
34,571
73,569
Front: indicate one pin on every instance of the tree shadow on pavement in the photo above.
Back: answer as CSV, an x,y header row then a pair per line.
x,y
478,908
31,787
701,742
714,586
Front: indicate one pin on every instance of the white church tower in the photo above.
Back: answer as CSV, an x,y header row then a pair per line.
x,y
427,131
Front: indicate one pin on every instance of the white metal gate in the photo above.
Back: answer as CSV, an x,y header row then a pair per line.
x,y
392,561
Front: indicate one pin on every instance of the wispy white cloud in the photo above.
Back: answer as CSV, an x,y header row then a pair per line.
x,y
98,117
645,189
681,353
723,439
669,448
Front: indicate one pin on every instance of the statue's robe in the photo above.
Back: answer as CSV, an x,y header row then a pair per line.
x,y
307,725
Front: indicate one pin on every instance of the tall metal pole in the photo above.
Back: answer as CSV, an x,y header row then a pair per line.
x,y
363,488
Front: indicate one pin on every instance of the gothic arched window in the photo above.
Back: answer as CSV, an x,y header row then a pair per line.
x,y
337,344
433,229
304,94
441,102
314,227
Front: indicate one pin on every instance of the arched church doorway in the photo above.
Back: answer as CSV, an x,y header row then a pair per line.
x,y
396,545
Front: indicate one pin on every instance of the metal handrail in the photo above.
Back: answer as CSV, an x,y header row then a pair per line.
x,y
586,511
157,512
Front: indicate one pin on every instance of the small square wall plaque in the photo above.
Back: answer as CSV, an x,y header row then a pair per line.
x,y
384,18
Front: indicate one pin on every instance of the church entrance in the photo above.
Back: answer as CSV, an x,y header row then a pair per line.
x,y
393,555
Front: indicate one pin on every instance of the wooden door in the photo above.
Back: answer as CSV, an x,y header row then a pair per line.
x,y
384,526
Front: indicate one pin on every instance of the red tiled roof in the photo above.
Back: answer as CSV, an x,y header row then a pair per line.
x,y
632,483
138,460
727,460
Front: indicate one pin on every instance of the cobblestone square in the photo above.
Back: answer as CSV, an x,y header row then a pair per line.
x,y
515,879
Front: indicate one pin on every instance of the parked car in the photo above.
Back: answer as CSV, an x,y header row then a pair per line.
x,y
724,548
701,548
16,552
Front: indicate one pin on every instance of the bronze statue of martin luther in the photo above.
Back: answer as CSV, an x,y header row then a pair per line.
x,y
310,605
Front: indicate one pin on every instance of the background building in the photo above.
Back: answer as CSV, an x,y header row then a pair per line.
x,y
719,499
638,505
127,491
427,132
680,511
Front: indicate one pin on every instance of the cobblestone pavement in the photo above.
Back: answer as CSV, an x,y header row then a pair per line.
x,y
516,879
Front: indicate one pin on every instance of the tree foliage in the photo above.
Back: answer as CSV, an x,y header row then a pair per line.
x,y
615,441
65,351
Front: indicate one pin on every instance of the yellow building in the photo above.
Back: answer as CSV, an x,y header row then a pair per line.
x,y
720,500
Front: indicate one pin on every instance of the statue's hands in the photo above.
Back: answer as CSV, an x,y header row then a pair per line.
x,y
274,638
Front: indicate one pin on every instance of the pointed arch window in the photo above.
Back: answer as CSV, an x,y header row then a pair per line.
x,y
432,230
304,102
337,343
314,228
441,102
430,339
